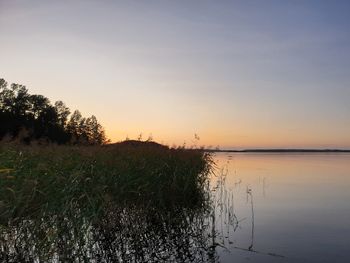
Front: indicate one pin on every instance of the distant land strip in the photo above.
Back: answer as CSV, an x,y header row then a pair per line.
x,y
283,151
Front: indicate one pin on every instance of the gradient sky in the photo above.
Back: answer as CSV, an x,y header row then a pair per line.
x,y
240,74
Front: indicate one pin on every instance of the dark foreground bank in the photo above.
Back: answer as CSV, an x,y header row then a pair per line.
x,y
131,201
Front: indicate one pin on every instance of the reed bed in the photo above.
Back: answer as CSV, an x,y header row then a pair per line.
x,y
37,181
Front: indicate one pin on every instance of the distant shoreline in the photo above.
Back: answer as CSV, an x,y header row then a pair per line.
x,y
283,151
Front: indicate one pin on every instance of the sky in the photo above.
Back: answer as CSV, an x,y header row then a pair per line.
x,y
240,74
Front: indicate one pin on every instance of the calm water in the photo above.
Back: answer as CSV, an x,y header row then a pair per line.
x,y
283,208
261,208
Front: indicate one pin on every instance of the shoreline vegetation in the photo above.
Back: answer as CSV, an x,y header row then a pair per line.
x,y
67,192
56,178
30,118
132,201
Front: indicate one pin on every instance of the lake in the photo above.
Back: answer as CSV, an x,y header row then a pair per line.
x,y
256,207
282,207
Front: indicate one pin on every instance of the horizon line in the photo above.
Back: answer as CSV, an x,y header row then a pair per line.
x,y
279,150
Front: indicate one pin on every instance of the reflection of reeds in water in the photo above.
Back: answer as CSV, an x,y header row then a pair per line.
x,y
125,202
225,221
224,218
153,236
191,231
250,196
129,234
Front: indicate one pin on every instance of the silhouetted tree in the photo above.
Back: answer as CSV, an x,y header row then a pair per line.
x,y
63,113
20,111
13,106
94,131
73,126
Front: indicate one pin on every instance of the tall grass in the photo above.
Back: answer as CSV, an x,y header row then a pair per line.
x,y
57,179
126,202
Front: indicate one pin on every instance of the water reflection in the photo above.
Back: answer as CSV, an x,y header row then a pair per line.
x,y
200,232
135,235
131,234
290,207
261,208
227,224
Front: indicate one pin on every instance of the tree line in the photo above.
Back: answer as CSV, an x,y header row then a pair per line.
x,y
31,117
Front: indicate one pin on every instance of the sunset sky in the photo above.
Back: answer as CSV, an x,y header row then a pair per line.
x,y
240,74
